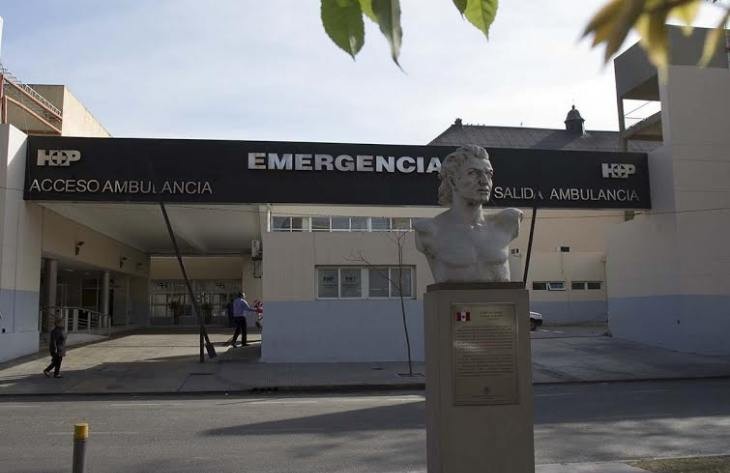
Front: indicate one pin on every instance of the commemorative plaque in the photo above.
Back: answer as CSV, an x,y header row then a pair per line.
x,y
484,340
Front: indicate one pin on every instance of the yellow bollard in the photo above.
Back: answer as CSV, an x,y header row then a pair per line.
x,y
81,434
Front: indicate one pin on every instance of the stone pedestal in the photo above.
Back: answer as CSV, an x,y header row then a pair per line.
x,y
479,404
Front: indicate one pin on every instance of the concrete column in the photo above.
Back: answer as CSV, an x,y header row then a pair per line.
x,y
51,282
105,293
20,251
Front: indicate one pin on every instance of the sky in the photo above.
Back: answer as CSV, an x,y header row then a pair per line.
x,y
266,70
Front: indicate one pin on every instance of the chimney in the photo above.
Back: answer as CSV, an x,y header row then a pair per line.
x,y
574,122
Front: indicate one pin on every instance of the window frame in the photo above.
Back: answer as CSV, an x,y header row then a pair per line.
x,y
340,269
365,282
316,282
329,224
556,286
274,228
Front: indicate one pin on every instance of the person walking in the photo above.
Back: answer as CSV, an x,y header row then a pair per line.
x,y
57,347
240,307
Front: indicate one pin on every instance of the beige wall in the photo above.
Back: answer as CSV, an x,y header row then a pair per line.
x,y
197,267
668,270
77,119
581,230
568,267
681,245
59,237
584,231
290,259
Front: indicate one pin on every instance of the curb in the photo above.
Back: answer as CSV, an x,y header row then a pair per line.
x,y
311,389
327,388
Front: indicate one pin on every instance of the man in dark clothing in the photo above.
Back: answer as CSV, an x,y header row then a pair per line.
x,y
57,347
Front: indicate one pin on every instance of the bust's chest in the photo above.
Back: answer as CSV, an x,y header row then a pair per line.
x,y
467,246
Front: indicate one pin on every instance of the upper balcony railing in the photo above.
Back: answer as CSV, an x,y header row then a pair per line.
x,y
35,109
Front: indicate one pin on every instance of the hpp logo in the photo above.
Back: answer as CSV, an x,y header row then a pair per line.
x,y
617,170
57,157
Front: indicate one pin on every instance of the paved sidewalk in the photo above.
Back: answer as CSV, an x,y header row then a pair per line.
x,y
587,468
149,362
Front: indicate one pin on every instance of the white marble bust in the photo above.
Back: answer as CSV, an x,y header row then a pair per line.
x,y
464,243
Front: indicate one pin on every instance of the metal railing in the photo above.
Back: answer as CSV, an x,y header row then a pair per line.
x,y
76,320
28,90
28,100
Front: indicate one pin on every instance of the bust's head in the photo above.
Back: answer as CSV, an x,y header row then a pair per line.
x,y
466,173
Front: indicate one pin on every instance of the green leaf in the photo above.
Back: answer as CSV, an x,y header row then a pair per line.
x,y
601,25
626,18
713,40
686,13
342,20
481,13
653,31
367,7
388,15
461,5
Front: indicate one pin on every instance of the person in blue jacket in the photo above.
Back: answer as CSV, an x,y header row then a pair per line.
x,y
240,307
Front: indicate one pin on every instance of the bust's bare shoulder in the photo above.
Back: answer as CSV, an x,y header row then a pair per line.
x,y
509,215
424,226
509,220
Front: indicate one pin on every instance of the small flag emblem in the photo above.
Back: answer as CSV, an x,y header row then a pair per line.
x,y
463,316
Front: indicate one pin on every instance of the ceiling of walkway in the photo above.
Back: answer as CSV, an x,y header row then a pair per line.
x,y
199,228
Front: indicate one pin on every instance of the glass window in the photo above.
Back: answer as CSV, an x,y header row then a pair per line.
x,y
340,223
378,279
539,286
594,284
327,283
359,224
159,310
556,286
401,223
297,224
401,279
380,224
281,224
351,281
578,285
320,224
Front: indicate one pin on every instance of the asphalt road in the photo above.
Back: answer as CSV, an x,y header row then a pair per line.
x,y
351,433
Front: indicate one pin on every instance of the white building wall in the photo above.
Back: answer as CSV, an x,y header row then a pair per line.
x,y
20,253
669,270
298,327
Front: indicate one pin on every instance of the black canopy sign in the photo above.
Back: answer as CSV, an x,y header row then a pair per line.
x,y
207,171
